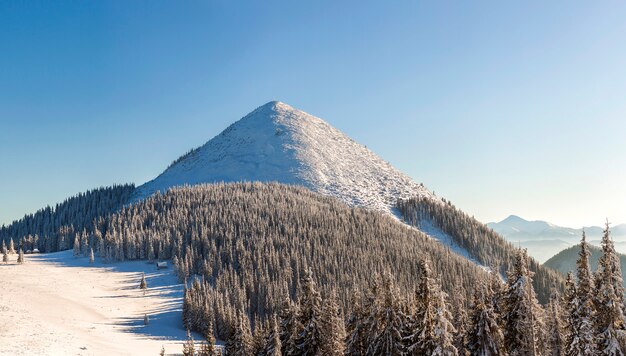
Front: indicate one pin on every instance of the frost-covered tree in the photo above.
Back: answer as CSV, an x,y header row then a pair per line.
x,y
289,325
20,256
208,347
4,247
443,328
419,328
272,341
91,256
150,252
332,328
484,337
309,340
356,328
76,246
143,284
579,301
555,325
5,256
386,328
523,319
460,324
609,300
239,342
11,246
189,348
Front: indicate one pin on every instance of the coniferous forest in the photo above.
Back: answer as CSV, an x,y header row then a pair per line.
x,y
275,269
482,243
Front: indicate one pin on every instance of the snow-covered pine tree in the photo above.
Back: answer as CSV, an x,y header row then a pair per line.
x,y
4,247
258,336
419,328
189,349
289,325
443,328
208,347
239,341
555,325
579,301
484,337
609,300
91,257
143,284
461,324
150,251
20,256
309,338
11,246
523,319
76,246
272,341
332,328
356,338
5,256
388,321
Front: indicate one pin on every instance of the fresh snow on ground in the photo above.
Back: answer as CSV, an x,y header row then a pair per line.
x,y
58,304
278,143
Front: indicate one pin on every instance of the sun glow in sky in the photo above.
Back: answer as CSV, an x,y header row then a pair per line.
x,y
502,107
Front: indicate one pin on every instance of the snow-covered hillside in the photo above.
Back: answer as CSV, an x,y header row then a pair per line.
x,y
278,143
58,304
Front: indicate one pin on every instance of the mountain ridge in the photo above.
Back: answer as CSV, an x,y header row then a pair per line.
x,y
276,142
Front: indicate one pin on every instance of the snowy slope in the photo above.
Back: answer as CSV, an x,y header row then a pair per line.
x,y
276,142
58,304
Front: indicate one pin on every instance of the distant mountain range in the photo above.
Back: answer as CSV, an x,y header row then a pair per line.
x,y
544,240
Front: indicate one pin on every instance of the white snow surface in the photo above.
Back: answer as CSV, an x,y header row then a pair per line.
x,y
278,143
58,304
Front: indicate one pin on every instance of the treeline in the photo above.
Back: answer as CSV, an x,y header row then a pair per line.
x,y
481,242
252,241
501,318
54,228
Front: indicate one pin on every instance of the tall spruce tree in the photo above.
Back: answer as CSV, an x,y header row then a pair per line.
x,y
419,329
357,331
272,341
333,328
484,336
387,321
289,325
309,340
461,324
555,325
443,328
523,320
609,300
582,334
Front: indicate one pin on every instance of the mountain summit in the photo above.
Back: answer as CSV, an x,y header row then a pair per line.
x,y
277,142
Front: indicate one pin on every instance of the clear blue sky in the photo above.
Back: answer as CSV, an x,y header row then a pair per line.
x,y
502,107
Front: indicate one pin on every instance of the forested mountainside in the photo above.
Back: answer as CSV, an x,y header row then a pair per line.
x,y
481,242
502,318
565,261
252,242
53,228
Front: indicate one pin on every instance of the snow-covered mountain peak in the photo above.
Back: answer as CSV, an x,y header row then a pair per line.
x,y
277,142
